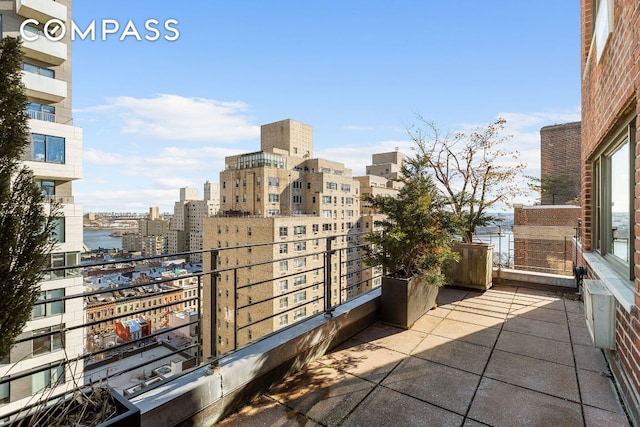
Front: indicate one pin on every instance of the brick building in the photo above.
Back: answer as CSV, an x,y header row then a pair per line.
x,y
543,238
610,48
560,163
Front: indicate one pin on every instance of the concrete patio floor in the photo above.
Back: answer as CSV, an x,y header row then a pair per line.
x,y
510,356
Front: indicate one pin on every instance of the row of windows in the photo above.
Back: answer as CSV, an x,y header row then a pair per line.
x,y
27,386
41,71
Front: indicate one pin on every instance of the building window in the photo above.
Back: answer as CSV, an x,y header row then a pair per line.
x,y
300,313
283,285
274,182
274,198
62,259
50,308
299,262
284,266
284,231
47,378
284,302
300,246
48,188
326,199
4,387
299,297
47,340
297,199
284,320
284,248
345,187
58,230
34,69
299,230
299,281
613,188
47,148
332,185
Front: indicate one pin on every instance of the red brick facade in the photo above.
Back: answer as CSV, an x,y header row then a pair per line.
x,y
560,163
543,236
610,94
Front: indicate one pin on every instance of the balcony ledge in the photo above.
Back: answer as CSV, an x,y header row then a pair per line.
x,y
208,394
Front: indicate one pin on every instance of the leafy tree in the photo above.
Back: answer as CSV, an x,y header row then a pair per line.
x,y
472,171
26,224
416,234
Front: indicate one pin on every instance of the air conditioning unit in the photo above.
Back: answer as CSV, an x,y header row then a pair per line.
x,y
599,312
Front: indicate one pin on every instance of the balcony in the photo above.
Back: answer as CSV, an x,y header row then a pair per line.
x,y
41,10
511,355
45,50
45,88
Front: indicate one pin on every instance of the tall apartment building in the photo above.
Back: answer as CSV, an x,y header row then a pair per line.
x,y
280,194
185,229
36,366
610,188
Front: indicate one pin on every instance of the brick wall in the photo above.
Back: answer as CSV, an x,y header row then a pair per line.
x,y
560,163
542,238
610,93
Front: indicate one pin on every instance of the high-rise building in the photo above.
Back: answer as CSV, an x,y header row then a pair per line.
x,y
185,229
45,360
279,194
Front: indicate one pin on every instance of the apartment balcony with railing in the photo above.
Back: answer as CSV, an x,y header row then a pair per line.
x,y
512,355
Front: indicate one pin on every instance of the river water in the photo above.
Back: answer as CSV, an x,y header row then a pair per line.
x,y
95,239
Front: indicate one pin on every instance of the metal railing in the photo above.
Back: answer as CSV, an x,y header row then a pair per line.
x,y
49,117
169,296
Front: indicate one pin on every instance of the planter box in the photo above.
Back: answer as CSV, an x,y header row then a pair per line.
x,y
405,300
128,415
475,268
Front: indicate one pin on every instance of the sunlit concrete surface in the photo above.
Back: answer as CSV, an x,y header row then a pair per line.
x,y
509,356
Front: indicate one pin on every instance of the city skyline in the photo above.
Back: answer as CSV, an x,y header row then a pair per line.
x,y
158,116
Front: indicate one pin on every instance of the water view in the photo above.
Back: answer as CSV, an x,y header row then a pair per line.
x,y
95,239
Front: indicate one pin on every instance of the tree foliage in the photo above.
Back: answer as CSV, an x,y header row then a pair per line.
x,y
416,234
472,170
26,225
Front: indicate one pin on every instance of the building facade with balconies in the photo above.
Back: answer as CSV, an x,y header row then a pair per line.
x,y
50,362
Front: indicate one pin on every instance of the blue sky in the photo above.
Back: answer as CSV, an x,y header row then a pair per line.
x,y
161,115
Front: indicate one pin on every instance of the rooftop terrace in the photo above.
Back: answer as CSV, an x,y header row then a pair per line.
x,y
508,356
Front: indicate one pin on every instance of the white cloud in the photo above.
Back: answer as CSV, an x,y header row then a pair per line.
x,y
179,118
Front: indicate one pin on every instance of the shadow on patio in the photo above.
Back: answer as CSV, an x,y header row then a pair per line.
x,y
508,356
